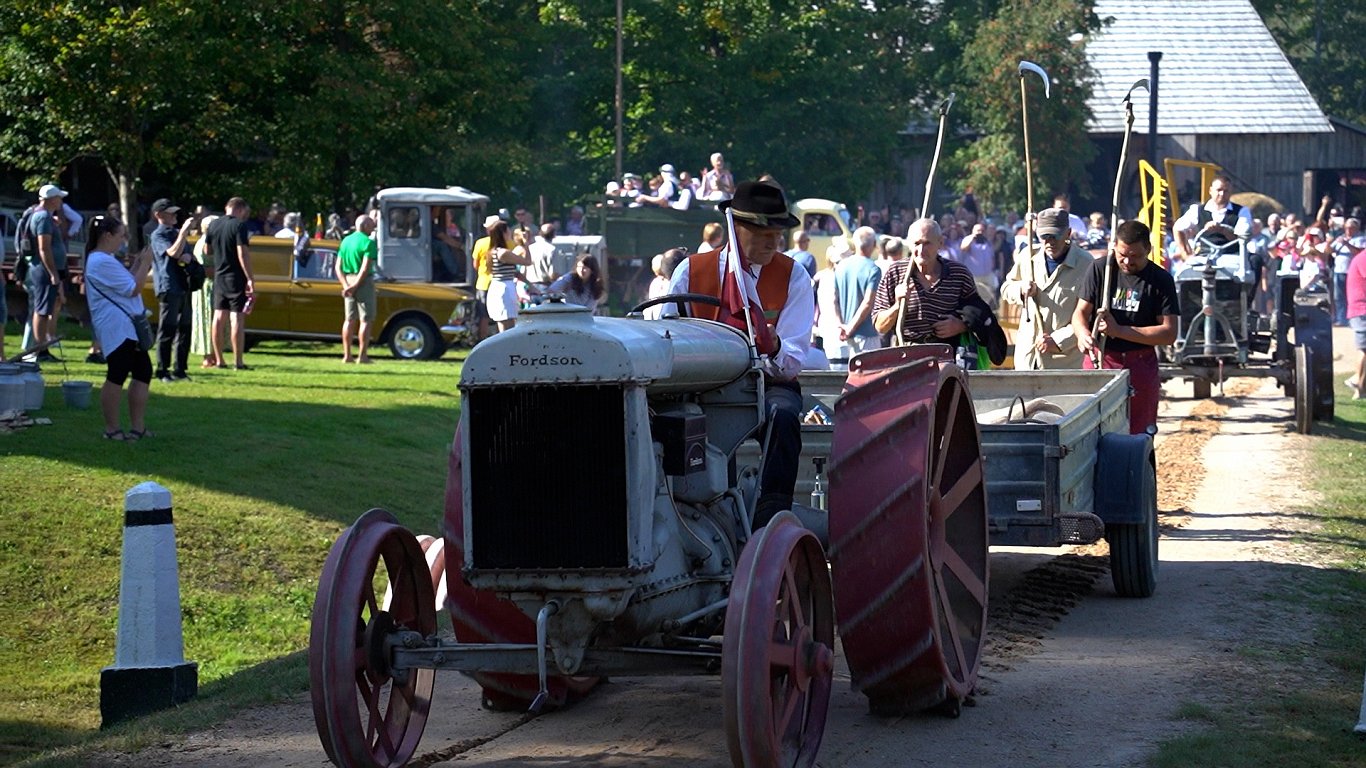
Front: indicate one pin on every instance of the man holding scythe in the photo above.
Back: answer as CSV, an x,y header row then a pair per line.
x,y
1045,339
1139,316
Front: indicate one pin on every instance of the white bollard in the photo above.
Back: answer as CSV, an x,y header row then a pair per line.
x,y
1361,719
149,671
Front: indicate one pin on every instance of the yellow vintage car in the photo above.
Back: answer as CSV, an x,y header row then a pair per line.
x,y
300,299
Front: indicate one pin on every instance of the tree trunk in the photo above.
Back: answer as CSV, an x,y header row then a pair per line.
x,y
128,205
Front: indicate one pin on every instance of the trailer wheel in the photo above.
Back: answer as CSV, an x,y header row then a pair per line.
x,y
1304,390
1133,546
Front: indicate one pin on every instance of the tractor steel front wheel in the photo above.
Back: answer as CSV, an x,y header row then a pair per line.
x,y
778,651
367,714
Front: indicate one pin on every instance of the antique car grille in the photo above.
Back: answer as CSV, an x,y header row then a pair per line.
x,y
548,477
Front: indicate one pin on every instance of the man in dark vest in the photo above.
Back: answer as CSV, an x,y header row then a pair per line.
x,y
1219,220
783,337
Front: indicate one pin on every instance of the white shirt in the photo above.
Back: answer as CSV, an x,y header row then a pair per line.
x,y
795,320
1188,221
541,269
116,298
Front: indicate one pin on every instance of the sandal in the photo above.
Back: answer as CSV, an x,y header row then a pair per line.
x,y
139,434
115,434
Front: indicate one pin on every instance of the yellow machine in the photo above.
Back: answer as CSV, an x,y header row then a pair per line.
x,y
1156,190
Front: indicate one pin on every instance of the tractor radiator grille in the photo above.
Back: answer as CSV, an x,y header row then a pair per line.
x,y
548,477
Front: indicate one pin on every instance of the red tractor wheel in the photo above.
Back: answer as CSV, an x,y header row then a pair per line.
x,y
908,530
778,651
478,616
434,552
367,714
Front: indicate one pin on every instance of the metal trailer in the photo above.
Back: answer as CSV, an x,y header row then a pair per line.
x,y
1049,479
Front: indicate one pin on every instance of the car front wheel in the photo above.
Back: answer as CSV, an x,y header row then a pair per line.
x,y
415,338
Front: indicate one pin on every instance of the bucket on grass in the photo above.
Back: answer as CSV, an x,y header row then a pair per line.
x,y
77,394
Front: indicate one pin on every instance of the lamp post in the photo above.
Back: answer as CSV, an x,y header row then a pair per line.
x,y
618,105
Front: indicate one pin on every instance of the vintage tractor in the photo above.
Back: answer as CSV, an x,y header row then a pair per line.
x,y
597,523
1220,334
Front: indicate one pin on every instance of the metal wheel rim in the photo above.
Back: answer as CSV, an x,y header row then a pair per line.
x,y
366,717
958,539
410,341
778,649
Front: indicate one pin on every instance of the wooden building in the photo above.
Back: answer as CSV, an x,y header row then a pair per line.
x,y
1225,93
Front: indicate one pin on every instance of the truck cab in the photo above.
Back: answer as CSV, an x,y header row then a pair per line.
x,y
426,234
823,220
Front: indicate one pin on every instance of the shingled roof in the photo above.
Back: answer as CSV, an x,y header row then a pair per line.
x,y
1221,70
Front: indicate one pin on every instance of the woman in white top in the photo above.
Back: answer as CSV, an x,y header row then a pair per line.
x,y
115,297
503,301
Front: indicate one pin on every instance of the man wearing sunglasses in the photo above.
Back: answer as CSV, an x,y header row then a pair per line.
x,y
1045,283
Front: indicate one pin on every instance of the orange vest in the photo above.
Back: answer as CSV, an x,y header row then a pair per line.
x,y
704,276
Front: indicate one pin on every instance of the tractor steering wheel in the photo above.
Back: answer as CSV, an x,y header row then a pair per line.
x,y
1208,246
681,299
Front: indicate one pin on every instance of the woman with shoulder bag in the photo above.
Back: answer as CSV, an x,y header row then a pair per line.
x,y
115,297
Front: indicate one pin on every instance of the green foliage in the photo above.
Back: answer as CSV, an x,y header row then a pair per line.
x,y
1322,39
1040,31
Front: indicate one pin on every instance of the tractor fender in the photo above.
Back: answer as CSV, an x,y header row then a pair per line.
x,y
1121,461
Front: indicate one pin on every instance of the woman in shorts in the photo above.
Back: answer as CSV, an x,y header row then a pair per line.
x,y
115,297
503,301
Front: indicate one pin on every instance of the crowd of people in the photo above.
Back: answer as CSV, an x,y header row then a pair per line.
x,y
671,188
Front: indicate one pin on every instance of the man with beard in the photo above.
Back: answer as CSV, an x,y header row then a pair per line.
x,y
1142,316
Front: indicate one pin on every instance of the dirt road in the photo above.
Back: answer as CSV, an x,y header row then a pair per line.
x,y
1074,675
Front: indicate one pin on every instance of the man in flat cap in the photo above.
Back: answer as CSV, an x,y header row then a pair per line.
x,y
1045,284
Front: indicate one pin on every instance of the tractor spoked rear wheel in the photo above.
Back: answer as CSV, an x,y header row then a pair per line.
x,y
368,715
778,650
909,539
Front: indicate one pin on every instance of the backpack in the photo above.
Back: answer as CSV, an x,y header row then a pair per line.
x,y
25,247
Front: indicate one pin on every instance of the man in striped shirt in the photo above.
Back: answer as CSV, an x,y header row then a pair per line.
x,y
934,293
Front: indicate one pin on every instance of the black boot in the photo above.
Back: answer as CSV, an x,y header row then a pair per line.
x,y
770,504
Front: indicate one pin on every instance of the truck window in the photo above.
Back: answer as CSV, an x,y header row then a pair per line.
x,y
404,222
321,265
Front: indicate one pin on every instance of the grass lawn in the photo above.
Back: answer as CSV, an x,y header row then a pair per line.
x,y
1302,710
266,467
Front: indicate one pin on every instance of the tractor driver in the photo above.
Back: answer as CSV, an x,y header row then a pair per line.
x,y
784,289
1219,220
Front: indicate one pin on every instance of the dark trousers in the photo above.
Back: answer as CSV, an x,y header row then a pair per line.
x,y
783,404
173,330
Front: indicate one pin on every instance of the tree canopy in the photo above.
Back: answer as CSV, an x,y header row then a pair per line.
x,y
319,102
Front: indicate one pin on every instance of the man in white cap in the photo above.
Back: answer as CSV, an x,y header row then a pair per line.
x,y
1045,284
44,282
668,188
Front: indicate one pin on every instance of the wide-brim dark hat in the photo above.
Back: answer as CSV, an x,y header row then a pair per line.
x,y
761,203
